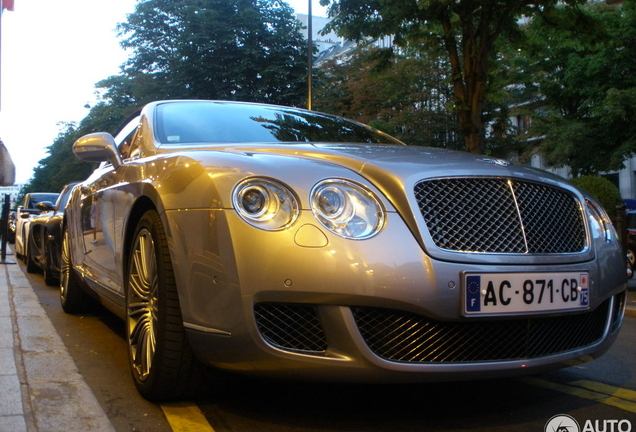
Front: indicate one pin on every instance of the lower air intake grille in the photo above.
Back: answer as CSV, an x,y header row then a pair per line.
x,y
406,337
292,327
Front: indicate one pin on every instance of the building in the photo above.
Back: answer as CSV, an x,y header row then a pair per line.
x,y
625,179
331,45
322,42
13,191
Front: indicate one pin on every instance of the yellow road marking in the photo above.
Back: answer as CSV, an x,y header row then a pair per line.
x,y
622,393
185,417
617,397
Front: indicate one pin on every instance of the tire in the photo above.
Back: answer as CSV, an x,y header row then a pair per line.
x,y
73,298
31,266
160,358
49,277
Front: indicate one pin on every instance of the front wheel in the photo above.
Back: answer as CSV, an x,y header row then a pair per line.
x,y
72,297
161,360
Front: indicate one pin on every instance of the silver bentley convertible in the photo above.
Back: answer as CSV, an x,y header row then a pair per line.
x,y
279,242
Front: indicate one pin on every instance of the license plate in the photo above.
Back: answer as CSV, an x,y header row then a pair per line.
x,y
502,293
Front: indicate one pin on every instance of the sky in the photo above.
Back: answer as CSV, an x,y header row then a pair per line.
x,y
51,56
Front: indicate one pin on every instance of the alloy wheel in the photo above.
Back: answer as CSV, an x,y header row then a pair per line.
x,y
65,266
142,305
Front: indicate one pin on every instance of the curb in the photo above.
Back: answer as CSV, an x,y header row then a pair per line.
x,y
55,396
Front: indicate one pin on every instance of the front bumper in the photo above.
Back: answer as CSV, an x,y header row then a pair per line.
x,y
306,304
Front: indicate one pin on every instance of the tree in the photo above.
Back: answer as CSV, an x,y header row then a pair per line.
x,y
403,95
61,166
203,49
583,68
249,50
603,190
467,29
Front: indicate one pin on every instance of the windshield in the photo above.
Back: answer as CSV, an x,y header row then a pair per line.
x,y
34,199
219,122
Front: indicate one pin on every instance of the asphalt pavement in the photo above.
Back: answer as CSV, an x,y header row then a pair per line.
x,y
41,388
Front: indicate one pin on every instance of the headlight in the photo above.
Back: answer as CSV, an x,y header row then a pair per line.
x,y
265,204
601,220
347,209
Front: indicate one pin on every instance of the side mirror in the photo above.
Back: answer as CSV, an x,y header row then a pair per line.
x,y
97,147
44,206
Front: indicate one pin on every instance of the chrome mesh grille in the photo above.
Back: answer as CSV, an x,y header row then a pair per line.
x,y
289,326
406,337
498,215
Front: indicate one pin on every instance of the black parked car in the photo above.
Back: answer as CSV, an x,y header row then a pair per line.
x,y
630,205
12,224
25,213
43,249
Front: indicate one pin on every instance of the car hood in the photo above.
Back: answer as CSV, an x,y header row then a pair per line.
x,y
396,169
392,168
408,163
417,163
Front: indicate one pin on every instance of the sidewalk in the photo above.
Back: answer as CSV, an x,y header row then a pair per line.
x,y
42,390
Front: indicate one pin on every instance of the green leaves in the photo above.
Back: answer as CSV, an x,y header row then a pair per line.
x,y
248,50
585,71
466,29
405,96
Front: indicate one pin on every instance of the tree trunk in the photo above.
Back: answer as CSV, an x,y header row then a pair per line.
x,y
471,128
469,82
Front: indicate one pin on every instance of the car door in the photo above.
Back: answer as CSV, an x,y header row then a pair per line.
x,y
104,208
97,221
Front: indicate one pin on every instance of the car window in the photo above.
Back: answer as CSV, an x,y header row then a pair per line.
x,y
631,220
35,199
217,122
64,196
125,147
126,137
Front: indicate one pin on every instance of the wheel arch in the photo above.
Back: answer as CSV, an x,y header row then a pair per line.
x,y
34,238
174,371
141,206
150,200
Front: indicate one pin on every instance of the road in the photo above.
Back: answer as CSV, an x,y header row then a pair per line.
x,y
602,391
